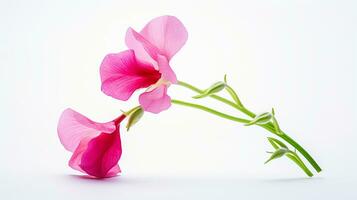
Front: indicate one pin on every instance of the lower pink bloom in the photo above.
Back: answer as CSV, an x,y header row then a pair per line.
x,y
96,146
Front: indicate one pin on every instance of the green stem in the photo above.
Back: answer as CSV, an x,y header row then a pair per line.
x,y
234,95
210,110
295,158
301,150
268,127
221,99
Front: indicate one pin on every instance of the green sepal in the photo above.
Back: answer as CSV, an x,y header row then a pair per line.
x,y
134,117
127,113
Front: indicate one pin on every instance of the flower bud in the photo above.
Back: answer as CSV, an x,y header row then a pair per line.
x,y
134,117
282,150
276,143
277,154
263,118
215,88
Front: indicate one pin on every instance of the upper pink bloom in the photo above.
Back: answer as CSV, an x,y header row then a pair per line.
x,y
146,65
96,146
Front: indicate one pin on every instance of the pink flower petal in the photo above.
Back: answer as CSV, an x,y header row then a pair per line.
x,y
102,154
144,50
98,155
158,41
167,33
113,171
166,71
73,127
75,160
122,74
156,100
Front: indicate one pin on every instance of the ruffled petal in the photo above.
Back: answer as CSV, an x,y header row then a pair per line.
x,y
122,74
73,127
114,171
156,100
75,160
102,154
167,33
166,71
144,50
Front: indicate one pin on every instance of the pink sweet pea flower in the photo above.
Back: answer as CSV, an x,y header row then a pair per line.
x,y
96,146
146,65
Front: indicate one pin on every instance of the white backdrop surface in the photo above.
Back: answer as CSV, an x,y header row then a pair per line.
x,y
299,57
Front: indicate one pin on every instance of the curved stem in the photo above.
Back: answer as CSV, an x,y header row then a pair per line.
x,y
268,126
221,99
299,148
234,95
210,110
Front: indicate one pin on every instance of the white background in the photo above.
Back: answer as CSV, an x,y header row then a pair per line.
x,y
299,57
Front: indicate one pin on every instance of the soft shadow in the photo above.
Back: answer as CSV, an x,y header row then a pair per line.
x,y
112,180
171,181
86,178
298,179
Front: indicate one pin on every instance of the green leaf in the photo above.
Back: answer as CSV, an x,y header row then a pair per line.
x,y
215,88
277,154
263,118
